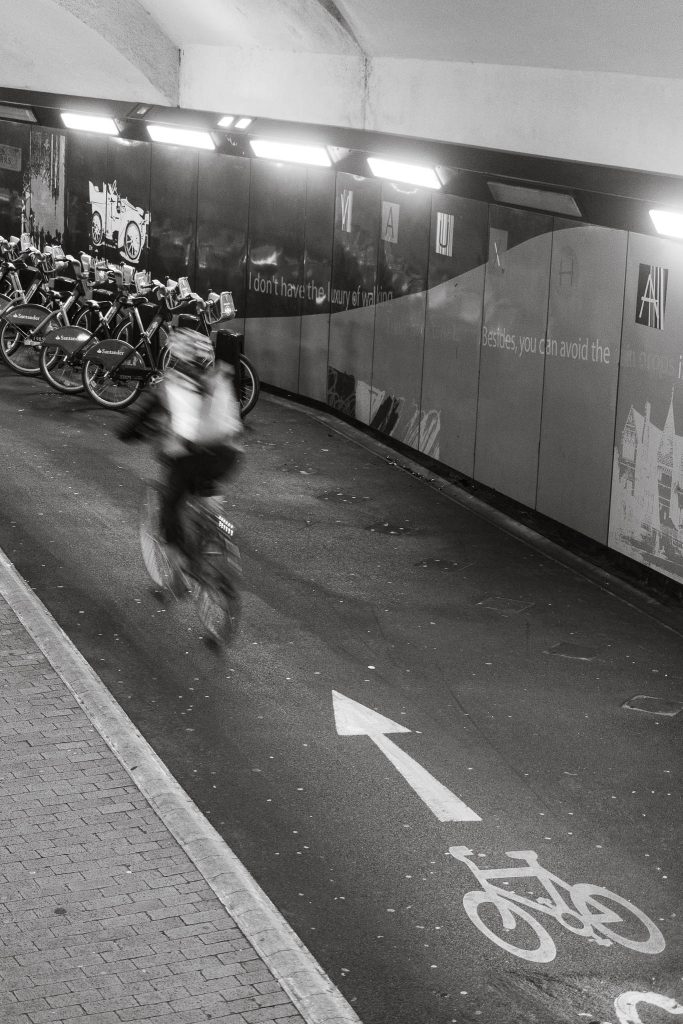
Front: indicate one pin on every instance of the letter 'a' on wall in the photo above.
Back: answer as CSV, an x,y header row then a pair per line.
x,y
511,366
646,510
315,308
275,282
457,267
400,298
354,279
581,350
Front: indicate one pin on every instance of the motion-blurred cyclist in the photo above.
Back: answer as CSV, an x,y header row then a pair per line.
x,y
195,407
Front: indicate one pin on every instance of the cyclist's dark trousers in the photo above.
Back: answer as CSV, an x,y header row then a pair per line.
x,y
196,472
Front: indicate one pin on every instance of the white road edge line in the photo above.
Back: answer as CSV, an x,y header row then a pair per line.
x,y
311,990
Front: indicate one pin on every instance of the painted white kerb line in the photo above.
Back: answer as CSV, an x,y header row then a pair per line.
x,y
301,976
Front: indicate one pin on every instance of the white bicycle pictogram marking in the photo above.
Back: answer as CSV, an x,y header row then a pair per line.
x,y
586,912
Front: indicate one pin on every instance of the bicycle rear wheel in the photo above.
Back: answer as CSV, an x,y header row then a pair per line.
x,y
250,386
58,369
157,563
23,359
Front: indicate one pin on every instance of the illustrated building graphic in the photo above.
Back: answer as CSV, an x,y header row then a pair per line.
x,y
646,519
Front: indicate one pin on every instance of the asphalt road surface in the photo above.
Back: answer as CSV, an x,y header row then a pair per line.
x,y
413,694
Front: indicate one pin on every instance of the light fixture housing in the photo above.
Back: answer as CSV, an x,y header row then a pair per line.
x,y
90,123
409,174
8,112
180,136
668,222
560,203
227,121
291,152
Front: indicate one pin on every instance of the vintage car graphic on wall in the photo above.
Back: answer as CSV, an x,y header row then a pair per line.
x,y
115,220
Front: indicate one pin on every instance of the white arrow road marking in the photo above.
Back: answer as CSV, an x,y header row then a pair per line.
x,y
353,719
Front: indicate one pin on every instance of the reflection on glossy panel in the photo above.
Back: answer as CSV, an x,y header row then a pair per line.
x,y
646,510
511,364
457,258
400,299
222,218
581,372
174,212
354,282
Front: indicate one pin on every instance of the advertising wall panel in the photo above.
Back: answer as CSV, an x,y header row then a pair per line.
x,y
275,279
646,511
352,309
400,299
457,264
511,367
46,199
124,198
222,220
86,175
315,321
581,373
173,212
14,178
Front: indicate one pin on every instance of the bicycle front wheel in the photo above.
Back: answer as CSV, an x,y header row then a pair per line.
x,y
617,919
58,369
23,359
112,389
250,386
535,943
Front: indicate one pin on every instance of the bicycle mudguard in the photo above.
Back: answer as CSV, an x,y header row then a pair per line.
x,y
69,339
26,316
112,352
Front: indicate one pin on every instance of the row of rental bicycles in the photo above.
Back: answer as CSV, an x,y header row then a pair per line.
x,y
87,326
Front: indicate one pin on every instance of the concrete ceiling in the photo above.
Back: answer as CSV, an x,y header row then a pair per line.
x,y
599,82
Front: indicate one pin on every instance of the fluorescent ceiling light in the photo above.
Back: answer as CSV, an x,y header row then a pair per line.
x,y
180,136
90,123
537,198
10,113
291,152
411,174
668,222
226,121
243,122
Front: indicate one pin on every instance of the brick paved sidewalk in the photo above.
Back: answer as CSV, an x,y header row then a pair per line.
x,y
103,915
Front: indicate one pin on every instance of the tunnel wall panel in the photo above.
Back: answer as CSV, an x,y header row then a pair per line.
x,y
457,259
174,174
581,349
354,279
222,225
511,365
315,307
275,271
646,511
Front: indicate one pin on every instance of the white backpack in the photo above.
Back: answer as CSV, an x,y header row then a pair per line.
x,y
207,412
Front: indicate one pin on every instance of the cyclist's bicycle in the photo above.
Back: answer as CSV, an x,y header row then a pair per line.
x,y
591,911
212,575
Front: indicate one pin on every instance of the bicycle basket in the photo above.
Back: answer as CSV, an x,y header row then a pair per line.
x,y
142,281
